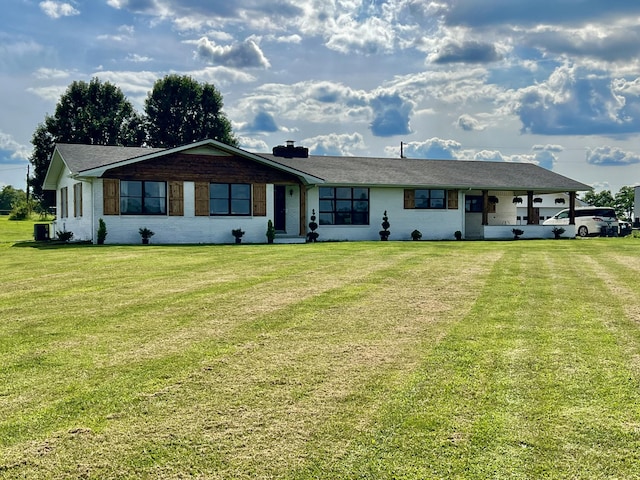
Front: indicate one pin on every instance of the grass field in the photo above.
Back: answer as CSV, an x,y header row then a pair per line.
x,y
371,360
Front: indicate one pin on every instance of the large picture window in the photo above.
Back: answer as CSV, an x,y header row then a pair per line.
x,y
143,198
427,198
230,199
344,206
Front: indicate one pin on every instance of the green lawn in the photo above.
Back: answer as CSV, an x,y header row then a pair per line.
x,y
380,360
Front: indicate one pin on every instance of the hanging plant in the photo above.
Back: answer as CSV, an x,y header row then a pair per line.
x,y
517,199
537,200
560,200
493,199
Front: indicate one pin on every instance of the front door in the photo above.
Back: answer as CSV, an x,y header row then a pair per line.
x,y
280,207
473,228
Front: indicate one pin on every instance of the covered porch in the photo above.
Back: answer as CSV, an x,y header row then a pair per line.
x,y
493,214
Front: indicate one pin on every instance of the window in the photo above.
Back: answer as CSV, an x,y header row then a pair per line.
x,y
64,202
344,206
230,199
473,203
143,198
77,200
430,198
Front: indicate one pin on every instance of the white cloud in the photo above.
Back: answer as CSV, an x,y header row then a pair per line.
x,y
369,37
253,144
56,10
468,123
576,101
135,58
50,93
240,55
345,144
611,156
434,148
51,74
18,151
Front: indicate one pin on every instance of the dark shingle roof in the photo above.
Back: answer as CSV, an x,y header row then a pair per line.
x,y
85,157
433,173
366,170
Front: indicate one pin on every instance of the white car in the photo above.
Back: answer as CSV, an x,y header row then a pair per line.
x,y
589,220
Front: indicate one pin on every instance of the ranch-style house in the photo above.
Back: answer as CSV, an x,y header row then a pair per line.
x,y
199,193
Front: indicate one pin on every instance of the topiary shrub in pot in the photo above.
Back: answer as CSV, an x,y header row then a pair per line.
x,y
384,233
312,236
271,231
102,231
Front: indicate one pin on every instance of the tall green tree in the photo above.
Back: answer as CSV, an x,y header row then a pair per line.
x,y
94,113
180,110
10,197
600,199
624,202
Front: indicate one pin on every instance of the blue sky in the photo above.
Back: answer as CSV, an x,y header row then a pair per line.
x,y
554,82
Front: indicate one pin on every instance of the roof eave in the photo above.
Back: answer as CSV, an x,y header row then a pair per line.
x,y
55,168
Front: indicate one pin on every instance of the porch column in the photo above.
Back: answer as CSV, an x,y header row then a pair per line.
x,y
485,207
572,208
530,207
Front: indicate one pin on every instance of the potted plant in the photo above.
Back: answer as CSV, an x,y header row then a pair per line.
x,y
237,233
516,233
416,235
457,234
557,231
384,233
271,231
517,199
146,234
312,236
64,236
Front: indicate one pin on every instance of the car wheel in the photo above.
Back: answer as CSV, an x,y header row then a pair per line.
x,y
582,231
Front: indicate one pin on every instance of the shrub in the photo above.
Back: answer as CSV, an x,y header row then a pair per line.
x,y
271,231
557,231
20,211
64,236
416,235
102,231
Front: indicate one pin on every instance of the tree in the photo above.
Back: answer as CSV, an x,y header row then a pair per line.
x,y
179,110
624,202
600,199
93,113
10,197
